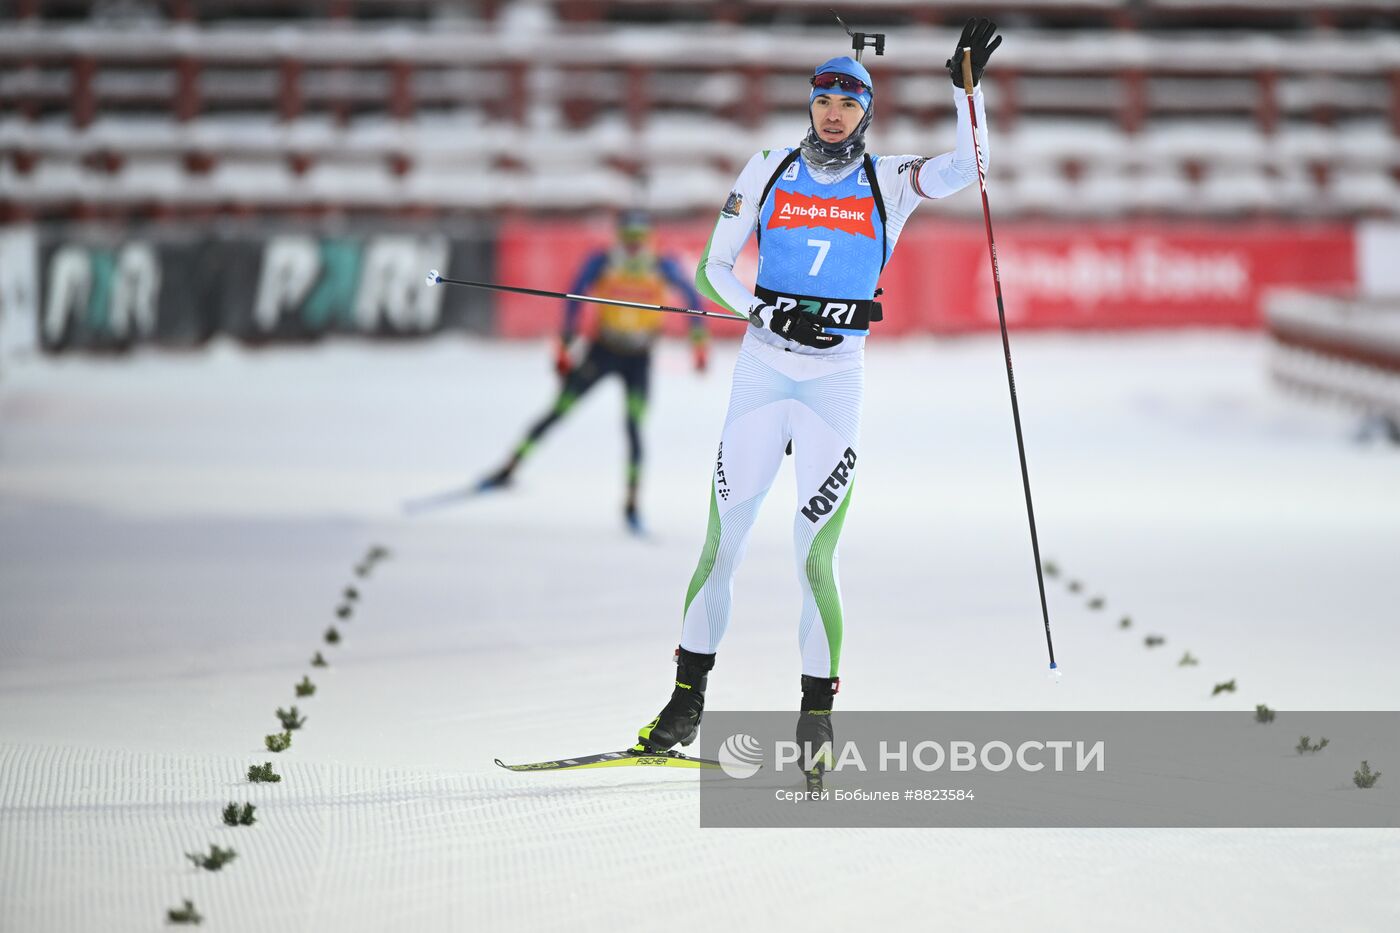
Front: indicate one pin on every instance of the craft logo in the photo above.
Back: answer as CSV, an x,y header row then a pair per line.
x,y
850,215
826,497
721,483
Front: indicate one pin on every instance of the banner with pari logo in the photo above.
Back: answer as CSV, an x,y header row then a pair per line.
x,y
114,289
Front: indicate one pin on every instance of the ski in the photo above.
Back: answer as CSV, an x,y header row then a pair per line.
x,y
627,758
448,497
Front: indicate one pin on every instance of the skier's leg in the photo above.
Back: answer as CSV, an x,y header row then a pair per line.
x,y
751,447
750,452
595,364
826,433
636,381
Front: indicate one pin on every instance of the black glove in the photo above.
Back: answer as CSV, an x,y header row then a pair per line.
x,y
794,325
977,34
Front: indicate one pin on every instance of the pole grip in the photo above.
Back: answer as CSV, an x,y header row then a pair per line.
x,y
967,69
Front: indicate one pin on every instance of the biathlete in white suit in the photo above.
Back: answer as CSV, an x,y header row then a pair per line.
x,y
827,215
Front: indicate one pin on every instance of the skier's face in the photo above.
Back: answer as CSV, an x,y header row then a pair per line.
x,y
836,116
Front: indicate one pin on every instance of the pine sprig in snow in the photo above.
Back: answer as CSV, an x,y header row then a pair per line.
x,y
186,914
239,816
216,859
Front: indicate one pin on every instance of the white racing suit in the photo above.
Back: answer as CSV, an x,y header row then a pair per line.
x,y
822,235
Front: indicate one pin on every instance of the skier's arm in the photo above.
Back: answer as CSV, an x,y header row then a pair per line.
x,y
699,335
590,272
951,172
715,277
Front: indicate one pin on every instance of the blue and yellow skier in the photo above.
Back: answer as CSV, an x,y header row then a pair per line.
x,y
621,342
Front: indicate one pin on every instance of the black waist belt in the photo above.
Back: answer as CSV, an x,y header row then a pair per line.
x,y
854,314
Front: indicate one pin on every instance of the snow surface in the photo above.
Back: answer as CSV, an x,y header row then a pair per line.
x,y
176,530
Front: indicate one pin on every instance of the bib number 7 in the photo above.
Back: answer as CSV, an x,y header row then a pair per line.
x,y
822,247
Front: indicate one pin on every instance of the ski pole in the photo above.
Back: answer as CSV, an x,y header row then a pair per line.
x,y
1006,346
435,279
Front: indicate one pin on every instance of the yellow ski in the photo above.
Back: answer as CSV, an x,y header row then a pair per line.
x,y
630,758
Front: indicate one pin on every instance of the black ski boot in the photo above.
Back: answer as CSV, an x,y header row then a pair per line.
x,y
814,727
679,719
631,515
499,479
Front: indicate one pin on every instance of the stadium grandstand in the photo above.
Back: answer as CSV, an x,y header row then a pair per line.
x,y
1156,108
1159,163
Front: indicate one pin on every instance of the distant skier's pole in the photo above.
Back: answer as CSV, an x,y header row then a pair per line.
x,y
435,279
1006,346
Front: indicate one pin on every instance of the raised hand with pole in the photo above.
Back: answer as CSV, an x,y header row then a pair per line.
x,y
975,46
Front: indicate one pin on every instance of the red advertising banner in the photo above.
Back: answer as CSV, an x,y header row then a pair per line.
x,y
1054,276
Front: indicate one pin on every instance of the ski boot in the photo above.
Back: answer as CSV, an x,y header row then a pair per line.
x,y
814,735
632,516
679,719
500,479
